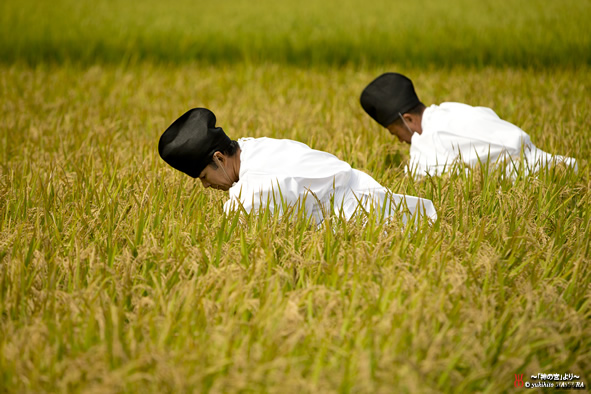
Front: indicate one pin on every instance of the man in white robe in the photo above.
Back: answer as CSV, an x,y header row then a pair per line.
x,y
441,135
266,173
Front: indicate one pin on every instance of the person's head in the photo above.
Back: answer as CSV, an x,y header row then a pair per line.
x,y
222,171
391,100
193,145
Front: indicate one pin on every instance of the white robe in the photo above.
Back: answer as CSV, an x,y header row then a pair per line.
x,y
455,131
276,173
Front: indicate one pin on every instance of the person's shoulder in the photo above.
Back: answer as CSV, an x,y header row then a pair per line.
x,y
269,155
446,108
251,144
246,141
455,106
465,112
274,144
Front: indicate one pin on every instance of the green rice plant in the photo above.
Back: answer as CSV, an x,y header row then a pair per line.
x,y
524,33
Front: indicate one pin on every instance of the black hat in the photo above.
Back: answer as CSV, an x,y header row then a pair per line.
x,y
387,96
190,142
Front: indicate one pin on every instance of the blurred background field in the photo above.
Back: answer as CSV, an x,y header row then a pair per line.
x,y
510,32
118,274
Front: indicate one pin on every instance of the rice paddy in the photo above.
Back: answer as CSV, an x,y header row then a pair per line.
x,y
119,274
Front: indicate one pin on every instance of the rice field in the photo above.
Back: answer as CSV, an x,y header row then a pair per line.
x,y
519,33
119,274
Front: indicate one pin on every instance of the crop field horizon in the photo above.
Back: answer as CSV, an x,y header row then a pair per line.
x,y
120,274
517,33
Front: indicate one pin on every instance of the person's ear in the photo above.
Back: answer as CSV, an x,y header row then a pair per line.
x,y
408,118
218,157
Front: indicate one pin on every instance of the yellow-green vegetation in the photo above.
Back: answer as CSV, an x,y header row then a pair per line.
x,y
507,32
119,274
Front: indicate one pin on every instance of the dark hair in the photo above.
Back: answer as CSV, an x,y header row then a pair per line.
x,y
416,110
230,151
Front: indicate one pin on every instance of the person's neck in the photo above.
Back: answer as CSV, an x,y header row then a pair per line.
x,y
235,166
